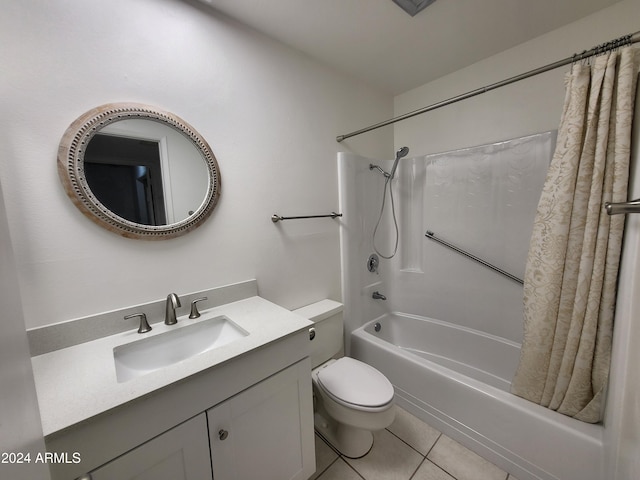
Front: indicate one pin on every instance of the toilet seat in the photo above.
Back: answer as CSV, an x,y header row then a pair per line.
x,y
355,384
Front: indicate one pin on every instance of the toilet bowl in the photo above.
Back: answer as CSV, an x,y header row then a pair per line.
x,y
351,399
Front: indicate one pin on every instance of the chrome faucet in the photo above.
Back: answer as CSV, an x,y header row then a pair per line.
x,y
173,302
378,296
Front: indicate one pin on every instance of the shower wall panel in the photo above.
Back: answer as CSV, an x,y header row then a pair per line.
x,y
483,200
361,192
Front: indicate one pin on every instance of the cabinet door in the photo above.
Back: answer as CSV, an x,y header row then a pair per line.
x,y
266,432
182,453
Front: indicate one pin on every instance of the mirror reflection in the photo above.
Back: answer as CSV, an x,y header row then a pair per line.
x,y
139,171
146,172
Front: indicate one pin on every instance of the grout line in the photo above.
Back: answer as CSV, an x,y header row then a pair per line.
x,y
418,468
353,468
407,444
440,468
433,446
339,457
434,463
318,477
326,442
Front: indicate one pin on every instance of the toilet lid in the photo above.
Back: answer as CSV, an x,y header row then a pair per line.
x,y
356,383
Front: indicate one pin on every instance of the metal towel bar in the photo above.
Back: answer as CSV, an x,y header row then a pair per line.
x,y
432,236
624,207
276,218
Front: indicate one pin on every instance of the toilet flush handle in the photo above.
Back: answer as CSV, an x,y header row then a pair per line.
x,y
312,333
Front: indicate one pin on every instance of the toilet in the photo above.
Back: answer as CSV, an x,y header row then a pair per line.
x,y
351,399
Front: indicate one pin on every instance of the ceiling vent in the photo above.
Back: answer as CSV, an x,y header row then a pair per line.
x,y
413,7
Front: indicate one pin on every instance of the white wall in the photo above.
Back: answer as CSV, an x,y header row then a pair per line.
x,y
269,113
20,429
530,106
622,414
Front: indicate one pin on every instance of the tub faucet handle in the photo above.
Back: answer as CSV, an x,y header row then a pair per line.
x,y
194,307
378,296
144,325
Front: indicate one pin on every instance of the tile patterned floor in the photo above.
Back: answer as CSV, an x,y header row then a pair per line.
x,y
408,450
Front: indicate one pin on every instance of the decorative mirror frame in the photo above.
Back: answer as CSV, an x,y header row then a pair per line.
x,y
71,169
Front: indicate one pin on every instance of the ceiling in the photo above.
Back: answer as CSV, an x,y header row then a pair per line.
x,y
375,40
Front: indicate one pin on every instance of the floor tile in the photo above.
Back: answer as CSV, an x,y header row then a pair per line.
x,y
461,463
325,456
339,470
430,471
389,459
414,431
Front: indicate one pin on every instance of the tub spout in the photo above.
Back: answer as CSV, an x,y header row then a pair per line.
x,y
378,296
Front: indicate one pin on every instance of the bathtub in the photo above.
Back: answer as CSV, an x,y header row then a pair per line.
x,y
457,380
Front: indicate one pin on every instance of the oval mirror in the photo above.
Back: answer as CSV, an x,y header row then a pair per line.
x,y
139,171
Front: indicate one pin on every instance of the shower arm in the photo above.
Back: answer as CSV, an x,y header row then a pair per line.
x,y
376,167
389,175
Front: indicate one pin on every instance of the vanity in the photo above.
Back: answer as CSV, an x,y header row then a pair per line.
x,y
241,409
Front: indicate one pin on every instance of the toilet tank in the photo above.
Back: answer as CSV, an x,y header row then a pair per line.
x,y
329,327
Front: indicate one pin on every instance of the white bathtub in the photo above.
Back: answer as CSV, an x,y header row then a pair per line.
x,y
457,380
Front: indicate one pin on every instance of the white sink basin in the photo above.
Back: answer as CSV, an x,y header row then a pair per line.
x,y
149,354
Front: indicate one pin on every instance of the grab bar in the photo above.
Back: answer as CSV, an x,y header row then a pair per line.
x,y
276,218
432,236
623,207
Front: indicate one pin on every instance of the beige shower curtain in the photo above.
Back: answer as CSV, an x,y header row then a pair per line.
x,y
570,278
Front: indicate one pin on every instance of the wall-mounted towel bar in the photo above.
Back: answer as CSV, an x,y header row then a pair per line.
x,y
624,207
432,236
276,218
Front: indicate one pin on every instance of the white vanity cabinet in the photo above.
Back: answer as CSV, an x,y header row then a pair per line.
x,y
265,432
168,423
181,453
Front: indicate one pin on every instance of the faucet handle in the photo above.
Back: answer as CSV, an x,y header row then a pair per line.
x,y
144,325
194,308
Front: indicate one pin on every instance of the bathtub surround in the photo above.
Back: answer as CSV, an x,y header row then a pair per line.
x,y
457,380
535,105
481,198
572,268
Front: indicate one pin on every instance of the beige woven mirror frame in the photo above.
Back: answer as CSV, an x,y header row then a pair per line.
x,y
139,171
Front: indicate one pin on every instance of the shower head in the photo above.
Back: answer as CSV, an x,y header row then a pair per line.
x,y
402,152
399,154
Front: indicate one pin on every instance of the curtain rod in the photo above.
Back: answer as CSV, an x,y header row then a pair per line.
x,y
605,47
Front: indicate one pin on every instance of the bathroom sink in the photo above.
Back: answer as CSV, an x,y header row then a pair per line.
x,y
149,354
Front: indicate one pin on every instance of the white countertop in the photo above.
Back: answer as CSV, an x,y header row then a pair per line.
x,y
79,382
